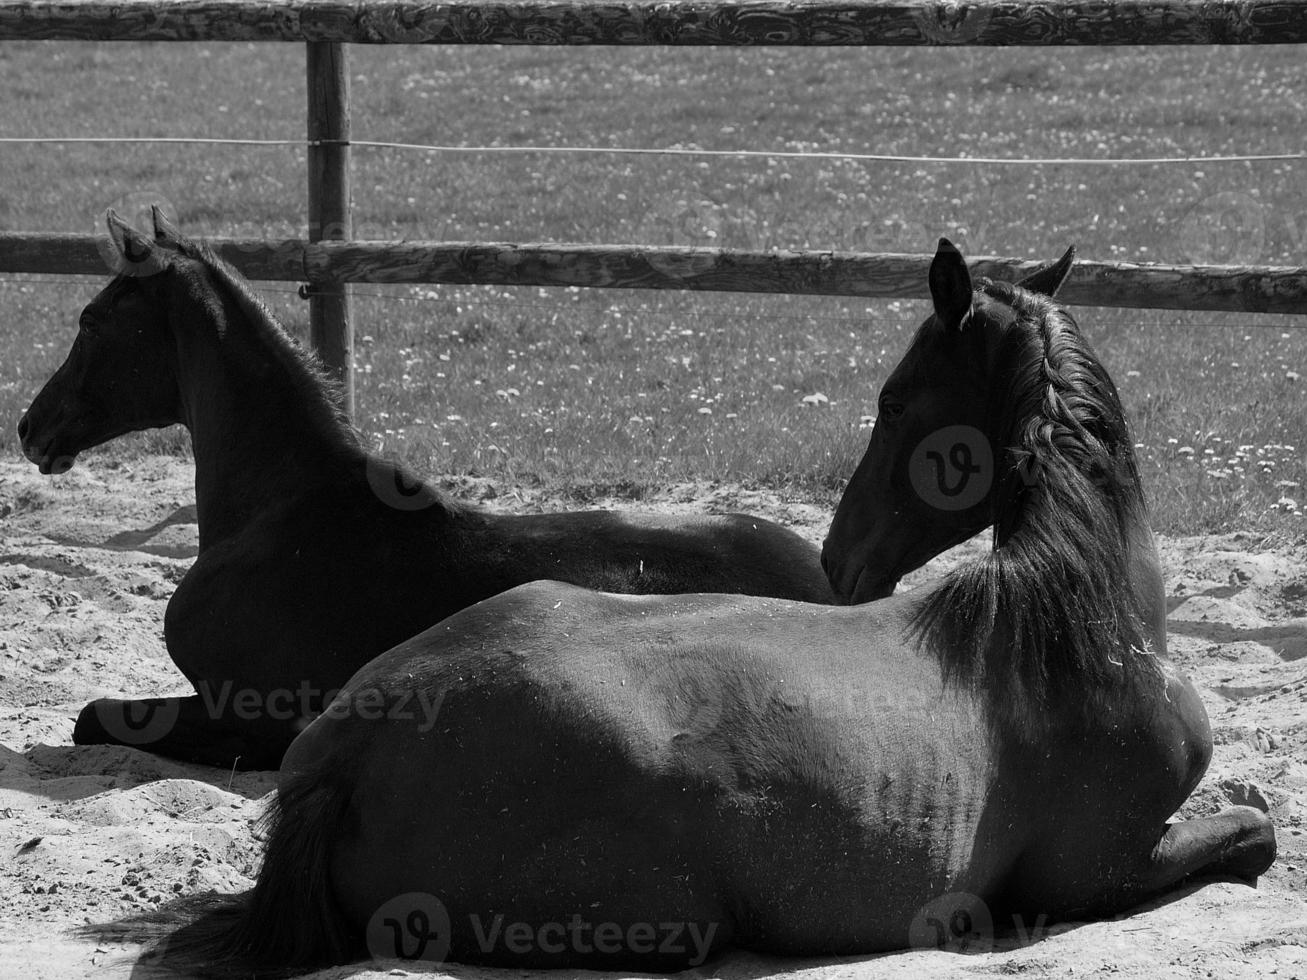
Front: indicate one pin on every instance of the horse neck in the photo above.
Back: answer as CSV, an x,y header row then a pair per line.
x,y
1062,623
260,434
1146,578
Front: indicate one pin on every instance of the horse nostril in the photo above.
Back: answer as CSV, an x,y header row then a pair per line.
x,y
23,427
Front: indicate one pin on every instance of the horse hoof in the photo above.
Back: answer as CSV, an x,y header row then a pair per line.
x,y
88,729
108,721
1252,852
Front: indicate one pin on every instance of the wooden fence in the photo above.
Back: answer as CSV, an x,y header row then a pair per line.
x,y
329,260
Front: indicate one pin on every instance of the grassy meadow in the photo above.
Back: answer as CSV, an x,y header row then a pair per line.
x,y
580,392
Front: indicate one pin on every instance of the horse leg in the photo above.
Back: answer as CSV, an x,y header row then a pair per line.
x,y
1239,841
186,729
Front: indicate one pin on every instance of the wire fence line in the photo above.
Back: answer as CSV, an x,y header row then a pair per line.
x,y
1186,160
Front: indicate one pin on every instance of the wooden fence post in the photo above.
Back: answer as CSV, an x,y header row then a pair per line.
x,y
330,328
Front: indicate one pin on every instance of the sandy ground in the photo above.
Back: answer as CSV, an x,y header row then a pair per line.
x,y
88,561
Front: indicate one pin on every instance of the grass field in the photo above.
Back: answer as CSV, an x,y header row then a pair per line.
x,y
581,390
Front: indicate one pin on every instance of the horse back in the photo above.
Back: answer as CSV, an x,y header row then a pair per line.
x,y
647,554
583,748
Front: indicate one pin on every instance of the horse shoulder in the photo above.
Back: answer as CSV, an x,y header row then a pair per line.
x,y
1182,731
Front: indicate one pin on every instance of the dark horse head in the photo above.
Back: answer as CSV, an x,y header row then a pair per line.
x,y
137,340
118,376
1000,414
927,480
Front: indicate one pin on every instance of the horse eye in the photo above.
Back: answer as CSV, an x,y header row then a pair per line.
x,y
890,410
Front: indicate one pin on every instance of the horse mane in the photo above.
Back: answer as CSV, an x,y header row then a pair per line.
x,y
1046,626
310,379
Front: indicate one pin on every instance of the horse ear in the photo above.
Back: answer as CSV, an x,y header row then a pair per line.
x,y
134,252
165,232
1048,280
950,285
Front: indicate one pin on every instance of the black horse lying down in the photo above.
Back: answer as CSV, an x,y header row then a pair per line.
x,y
314,555
634,783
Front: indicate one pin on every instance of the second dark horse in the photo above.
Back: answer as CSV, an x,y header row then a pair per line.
x,y
315,556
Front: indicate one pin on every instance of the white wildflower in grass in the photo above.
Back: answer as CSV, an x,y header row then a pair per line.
x,y
1221,474
866,422
1287,505
1185,450
1291,376
705,410
815,399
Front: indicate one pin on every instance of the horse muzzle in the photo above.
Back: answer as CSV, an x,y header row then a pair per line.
x,y
853,583
869,588
41,451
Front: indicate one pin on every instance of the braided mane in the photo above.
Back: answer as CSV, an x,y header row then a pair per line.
x,y
1047,625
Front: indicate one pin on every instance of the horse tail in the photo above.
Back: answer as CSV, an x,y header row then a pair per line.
x,y
291,918
289,922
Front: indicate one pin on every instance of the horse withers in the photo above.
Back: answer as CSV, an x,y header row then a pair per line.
x,y
314,555
678,775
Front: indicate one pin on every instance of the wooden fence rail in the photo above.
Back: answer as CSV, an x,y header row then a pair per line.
x,y
328,25
680,22
1261,289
